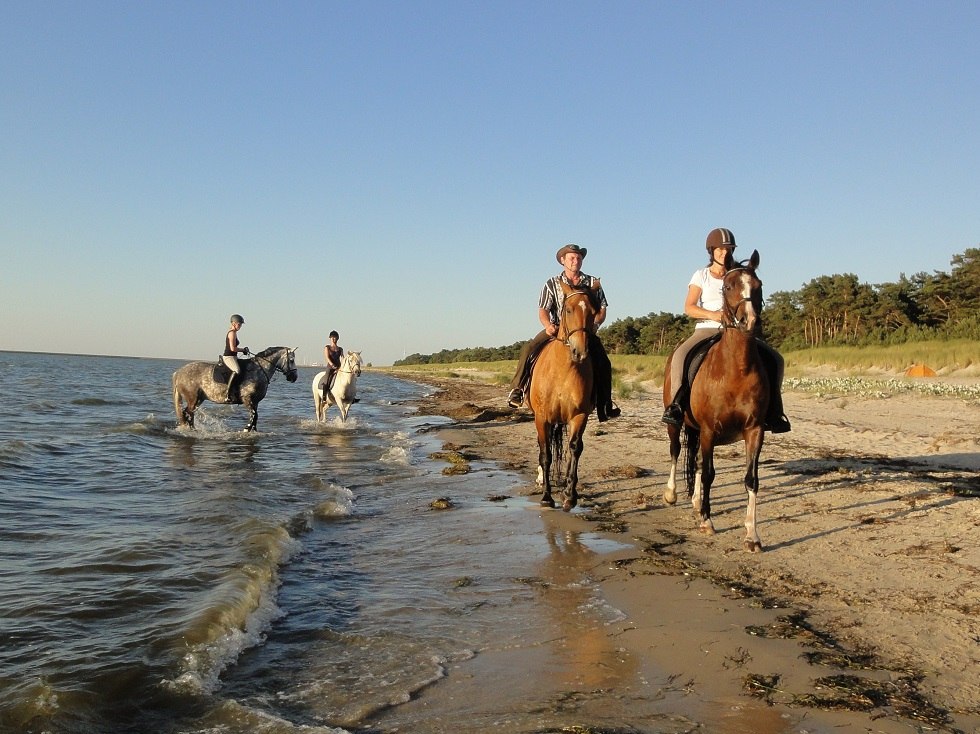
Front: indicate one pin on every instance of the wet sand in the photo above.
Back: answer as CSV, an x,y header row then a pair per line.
x,y
861,614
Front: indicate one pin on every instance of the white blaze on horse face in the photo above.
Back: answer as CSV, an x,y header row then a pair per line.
x,y
745,280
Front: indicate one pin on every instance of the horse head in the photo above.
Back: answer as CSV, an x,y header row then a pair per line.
x,y
742,291
577,319
353,363
285,362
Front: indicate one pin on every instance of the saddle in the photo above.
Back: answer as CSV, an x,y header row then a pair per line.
x,y
696,357
532,360
221,374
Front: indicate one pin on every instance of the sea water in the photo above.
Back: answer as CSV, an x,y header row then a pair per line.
x,y
296,578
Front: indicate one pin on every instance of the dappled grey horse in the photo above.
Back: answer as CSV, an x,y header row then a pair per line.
x,y
199,381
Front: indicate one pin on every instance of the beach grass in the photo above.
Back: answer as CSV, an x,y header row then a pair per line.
x,y
636,374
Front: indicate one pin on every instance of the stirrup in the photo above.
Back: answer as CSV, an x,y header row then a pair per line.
x,y
613,411
516,398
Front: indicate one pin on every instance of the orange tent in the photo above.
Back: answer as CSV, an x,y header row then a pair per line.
x,y
920,370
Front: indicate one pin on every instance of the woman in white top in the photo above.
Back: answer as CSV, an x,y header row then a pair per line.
x,y
705,303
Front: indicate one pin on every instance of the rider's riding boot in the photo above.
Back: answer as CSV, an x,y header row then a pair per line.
x,y
674,415
776,421
516,398
230,387
778,424
605,411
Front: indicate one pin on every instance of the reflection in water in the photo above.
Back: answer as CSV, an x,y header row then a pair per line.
x,y
210,454
588,659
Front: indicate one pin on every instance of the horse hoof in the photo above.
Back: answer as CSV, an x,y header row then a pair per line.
x,y
548,503
670,499
707,529
568,505
753,546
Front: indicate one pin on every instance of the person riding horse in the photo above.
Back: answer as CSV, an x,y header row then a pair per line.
x,y
549,314
704,302
230,356
333,353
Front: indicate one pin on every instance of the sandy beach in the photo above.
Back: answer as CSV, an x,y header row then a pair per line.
x,y
862,612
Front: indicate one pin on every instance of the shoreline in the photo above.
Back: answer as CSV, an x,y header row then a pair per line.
x,y
860,614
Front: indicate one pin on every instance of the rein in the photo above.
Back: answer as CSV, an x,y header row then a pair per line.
x,y
345,366
273,366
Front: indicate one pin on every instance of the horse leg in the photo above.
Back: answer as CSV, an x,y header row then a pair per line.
x,y
188,412
544,461
575,446
253,413
753,449
704,482
674,434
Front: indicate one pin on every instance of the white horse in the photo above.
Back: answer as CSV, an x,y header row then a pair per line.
x,y
343,392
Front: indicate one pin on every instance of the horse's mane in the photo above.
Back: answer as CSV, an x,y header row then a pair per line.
x,y
269,350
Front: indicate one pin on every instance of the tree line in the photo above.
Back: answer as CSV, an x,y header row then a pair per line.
x,y
828,310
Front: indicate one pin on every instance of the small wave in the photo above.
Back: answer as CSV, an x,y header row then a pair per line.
x,y
95,401
339,503
13,454
236,716
149,426
396,455
400,451
244,608
35,700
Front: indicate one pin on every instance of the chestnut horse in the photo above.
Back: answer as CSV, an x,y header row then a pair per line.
x,y
729,399
561,394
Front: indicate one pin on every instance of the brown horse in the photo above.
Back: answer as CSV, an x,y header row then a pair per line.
x,y
729,399
561,393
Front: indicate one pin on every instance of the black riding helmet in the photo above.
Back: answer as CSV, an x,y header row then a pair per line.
x,y
237,319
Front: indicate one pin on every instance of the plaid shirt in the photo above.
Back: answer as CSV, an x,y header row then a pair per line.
x,y
552,299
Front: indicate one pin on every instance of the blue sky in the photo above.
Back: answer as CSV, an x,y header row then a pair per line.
x,y
404,172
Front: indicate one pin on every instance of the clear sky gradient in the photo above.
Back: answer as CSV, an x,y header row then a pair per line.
x,y
404,172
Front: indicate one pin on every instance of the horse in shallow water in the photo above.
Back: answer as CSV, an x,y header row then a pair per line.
x,y
199,381
729,399
343,391
561,394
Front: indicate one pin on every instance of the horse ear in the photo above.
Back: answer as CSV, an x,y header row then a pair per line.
x,y
754,260
596,284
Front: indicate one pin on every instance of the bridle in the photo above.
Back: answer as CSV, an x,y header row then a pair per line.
x,y
348,358
273,366
562,328
731,320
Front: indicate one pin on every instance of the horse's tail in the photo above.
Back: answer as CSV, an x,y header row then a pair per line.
x,y
557,439
177,408
692,447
